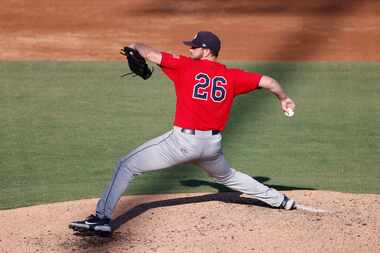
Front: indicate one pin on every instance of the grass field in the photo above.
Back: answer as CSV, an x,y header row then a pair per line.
x,y
64,125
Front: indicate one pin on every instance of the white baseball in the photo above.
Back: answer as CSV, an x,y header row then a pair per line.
x,y
289,112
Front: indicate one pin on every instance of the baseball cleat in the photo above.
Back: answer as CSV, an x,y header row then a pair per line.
x,y
288,204
92,223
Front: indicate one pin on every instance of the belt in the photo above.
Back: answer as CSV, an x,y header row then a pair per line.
x,y
199,132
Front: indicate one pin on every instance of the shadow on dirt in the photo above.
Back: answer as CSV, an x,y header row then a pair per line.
x,y
224,194
244,7
226,197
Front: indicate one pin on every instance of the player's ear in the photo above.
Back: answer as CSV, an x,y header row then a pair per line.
x,y
207,52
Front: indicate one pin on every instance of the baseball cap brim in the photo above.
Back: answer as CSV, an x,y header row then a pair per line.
x,y
191,43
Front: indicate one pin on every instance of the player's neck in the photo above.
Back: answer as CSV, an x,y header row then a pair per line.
x,y
209,58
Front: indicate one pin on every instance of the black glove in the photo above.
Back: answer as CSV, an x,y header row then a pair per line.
x,y
136,63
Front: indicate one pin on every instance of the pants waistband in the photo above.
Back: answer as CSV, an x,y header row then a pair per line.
x,y
198,132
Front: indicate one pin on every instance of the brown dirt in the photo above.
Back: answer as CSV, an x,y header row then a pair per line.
x,y
250,30
221,222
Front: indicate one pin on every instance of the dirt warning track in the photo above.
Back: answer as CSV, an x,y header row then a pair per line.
x,y
250,30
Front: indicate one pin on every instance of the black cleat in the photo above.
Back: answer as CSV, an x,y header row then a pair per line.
x,y
288,204
92,224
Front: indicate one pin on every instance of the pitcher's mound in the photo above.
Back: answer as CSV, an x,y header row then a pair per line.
x,y
202,222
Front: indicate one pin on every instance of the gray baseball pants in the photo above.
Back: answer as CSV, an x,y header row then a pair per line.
x,y
176,147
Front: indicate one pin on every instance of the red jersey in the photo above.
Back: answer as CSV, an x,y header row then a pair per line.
x,y
205,90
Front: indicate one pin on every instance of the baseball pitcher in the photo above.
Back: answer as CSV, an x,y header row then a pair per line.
x,y
205,90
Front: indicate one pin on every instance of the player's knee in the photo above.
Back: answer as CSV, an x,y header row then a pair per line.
x,y
225,177
126,165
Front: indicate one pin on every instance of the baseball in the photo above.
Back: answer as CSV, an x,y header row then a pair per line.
x,y
289,112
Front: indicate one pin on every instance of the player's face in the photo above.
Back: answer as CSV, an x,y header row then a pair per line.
x,y
196,53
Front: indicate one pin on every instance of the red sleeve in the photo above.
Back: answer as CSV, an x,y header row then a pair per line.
x,y
245,81
171,64
171,61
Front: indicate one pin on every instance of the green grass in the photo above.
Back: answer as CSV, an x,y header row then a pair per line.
x,y
64,125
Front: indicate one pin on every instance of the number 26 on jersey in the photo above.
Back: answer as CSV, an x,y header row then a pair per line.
x,y
218,91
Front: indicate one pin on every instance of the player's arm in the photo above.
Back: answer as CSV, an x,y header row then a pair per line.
x,y
273,86
148,52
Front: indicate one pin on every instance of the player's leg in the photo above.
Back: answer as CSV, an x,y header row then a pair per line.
x,y
162,152
219,168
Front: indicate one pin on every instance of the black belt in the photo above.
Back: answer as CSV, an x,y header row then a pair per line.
x,y
193,131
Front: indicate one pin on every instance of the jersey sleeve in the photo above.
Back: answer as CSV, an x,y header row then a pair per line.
x,y
171,65
171,61
246,81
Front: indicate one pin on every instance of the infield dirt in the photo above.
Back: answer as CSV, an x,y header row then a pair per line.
x,y
222,222
250,30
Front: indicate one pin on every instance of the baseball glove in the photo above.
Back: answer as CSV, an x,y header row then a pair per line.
x,y
136,63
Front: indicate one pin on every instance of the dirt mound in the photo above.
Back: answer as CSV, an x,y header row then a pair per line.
x,y
222,222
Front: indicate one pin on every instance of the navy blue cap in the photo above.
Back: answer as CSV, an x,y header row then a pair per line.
x,y
205,39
